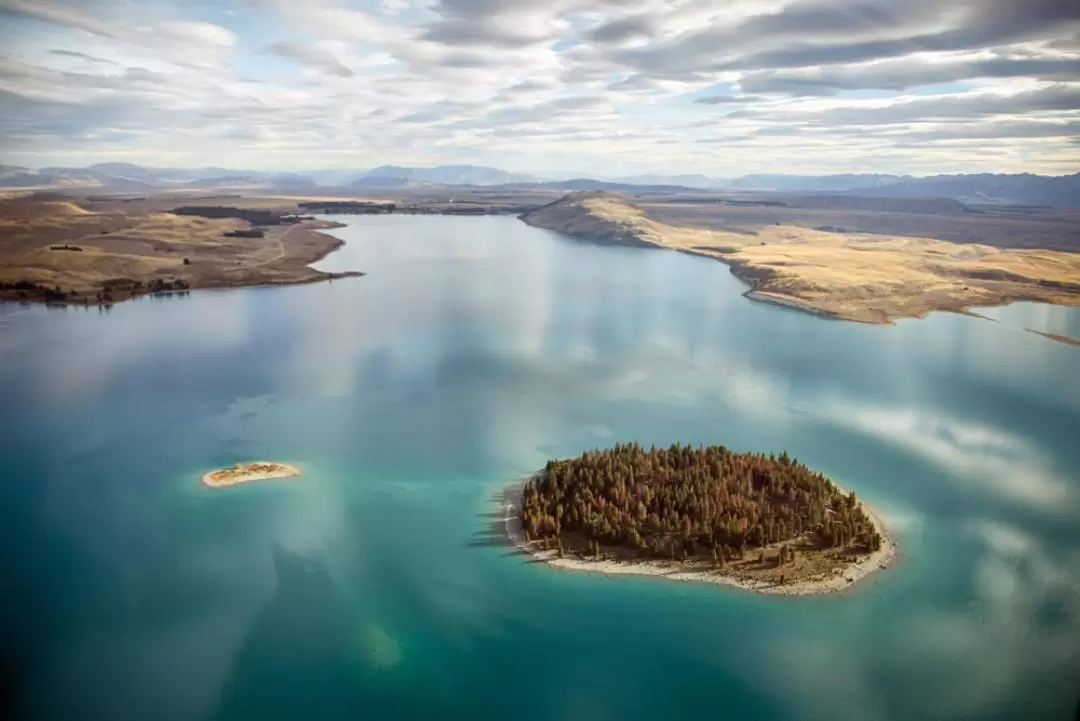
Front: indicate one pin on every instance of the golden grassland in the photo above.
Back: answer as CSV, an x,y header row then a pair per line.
x,y
145,244
867,278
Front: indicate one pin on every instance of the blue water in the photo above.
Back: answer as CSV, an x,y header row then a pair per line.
x,y
377,586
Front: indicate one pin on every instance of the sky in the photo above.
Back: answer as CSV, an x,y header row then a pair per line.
x,y
601,87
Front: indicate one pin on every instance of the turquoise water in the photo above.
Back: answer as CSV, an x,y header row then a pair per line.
x,y
377,586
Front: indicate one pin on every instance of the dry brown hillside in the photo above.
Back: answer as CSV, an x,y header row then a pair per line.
x,y
867,278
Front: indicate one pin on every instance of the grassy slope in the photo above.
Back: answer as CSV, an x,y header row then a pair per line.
x,y
867,278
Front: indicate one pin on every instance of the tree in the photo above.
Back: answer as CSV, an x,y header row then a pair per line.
x,y
686,502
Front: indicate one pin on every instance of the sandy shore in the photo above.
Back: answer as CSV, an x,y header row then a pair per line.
x,y
833,582
247,472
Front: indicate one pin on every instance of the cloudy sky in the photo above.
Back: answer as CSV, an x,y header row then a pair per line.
x,y
721,87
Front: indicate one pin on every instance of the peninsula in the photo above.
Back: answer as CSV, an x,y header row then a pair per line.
x,y
760,522
69,251
858,277
247,472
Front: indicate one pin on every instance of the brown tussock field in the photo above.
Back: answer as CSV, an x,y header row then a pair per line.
x,y
865,278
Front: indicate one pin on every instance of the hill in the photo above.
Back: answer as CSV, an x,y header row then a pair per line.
x,y
866,278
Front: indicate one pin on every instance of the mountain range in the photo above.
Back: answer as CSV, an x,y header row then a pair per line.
x,y
982,188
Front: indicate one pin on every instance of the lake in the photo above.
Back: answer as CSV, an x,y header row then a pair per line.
x,y
378,586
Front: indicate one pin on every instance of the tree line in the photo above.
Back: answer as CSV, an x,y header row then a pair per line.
x,y
26,289
682,502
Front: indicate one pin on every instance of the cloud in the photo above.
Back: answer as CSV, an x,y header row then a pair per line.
x,y
81,56
395,7
1058,97
831,32
60,14
981,454
623,29
200,33
727,99
1002,538
312,56
601,82
907,73
994,131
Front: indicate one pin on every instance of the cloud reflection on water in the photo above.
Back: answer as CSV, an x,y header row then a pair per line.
x,y
977,453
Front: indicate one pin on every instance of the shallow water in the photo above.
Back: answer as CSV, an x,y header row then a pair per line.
x,y
377,586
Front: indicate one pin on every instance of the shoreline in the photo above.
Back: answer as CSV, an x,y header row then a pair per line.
x,y
834,582
304,275
783,274
242,473
1055,336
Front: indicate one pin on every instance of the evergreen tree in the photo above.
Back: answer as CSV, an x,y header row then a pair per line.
x,y
664,502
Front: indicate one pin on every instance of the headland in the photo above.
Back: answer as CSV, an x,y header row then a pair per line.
x,y
858,277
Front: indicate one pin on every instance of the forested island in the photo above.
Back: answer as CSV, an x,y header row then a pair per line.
x,y
764,522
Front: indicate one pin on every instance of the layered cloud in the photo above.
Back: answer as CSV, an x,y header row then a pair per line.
x,y
705,86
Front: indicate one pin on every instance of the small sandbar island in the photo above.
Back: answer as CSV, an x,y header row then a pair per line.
x,y
759,522
247,472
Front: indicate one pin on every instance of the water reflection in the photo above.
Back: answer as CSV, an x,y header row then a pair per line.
x,y
475,349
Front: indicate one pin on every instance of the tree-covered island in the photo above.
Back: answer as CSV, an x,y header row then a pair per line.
x,y
764,520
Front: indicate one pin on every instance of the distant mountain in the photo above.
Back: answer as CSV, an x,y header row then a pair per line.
x,y
222,178
813,183
333,177
291,180
388,181
985,188
701,182
860,200
450,174
590,184
115,176
14,176
1021,189
9,170
122,170
128,176
54,177
224,181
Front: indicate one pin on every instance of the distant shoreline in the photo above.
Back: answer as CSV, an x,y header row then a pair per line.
x,y
299,245
833,582
844,276
248,472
